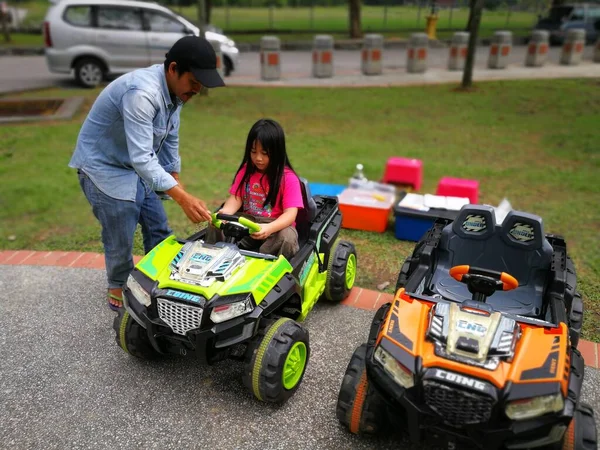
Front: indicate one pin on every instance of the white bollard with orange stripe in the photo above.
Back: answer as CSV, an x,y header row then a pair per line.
x,y
458,51
217,47
323,56
270,61
597,51
372,54
572,50
418,47
500,50
537,49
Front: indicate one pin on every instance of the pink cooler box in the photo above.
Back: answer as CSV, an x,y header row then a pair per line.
x,y
405,171
459,187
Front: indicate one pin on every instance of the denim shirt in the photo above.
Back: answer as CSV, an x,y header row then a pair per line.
x,y
132,129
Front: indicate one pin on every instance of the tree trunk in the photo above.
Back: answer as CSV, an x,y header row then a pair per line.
x,y
476,7
5,30
208,4
354,10
201,16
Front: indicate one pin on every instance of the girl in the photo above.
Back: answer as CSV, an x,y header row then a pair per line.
x,y
267,190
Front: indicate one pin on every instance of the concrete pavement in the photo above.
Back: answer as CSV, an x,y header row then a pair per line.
x,y
66,384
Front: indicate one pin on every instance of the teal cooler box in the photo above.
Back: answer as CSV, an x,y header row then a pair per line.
x,y
412,224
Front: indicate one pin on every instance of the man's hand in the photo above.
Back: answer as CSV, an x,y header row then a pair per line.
x,y
193,207
266,230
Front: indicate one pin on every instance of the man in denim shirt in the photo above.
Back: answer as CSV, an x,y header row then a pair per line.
x,y
128,149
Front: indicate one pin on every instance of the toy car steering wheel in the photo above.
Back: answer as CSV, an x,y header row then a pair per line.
x,y
217,219
483,282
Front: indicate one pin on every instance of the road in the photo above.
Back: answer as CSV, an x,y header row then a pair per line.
x,y
66,384
30,72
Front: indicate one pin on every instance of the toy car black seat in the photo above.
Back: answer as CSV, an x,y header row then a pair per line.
x,y
307,215
518,246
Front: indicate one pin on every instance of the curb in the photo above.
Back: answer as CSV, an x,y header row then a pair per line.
x,y
345,44
359,297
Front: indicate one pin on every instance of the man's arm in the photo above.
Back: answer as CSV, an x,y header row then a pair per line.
x,y
138,115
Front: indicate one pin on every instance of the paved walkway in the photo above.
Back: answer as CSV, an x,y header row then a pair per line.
x,y
360,298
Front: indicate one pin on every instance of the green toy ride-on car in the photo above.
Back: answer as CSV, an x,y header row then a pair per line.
x,y
214,302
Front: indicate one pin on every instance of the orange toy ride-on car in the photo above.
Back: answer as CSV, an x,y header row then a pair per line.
x,y
469,354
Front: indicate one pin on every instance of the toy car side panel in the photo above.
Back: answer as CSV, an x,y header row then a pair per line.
x,y
542,356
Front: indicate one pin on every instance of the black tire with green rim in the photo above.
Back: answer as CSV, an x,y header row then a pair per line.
x,y
359,407
276,361
341,271
132,337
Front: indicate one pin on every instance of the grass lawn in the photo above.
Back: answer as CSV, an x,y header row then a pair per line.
x,y
533,142
399,21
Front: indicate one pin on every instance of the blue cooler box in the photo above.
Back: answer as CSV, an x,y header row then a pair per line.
x,y
326,189
412,224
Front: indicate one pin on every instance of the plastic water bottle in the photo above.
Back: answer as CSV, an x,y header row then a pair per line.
x,y
358,180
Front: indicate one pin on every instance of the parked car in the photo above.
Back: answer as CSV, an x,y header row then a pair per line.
x,y
99,38
568,16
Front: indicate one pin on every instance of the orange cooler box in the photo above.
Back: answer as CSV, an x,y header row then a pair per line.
x,y
365,210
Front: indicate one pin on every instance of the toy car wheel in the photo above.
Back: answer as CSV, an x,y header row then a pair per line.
x,y
341,271
409,265
575,319
276,361
132,337
359,407
377,323
581,434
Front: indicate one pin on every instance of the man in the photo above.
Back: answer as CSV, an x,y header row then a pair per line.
x,y
128,150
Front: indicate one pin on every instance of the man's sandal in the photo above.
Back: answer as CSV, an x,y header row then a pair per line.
x,y
117,302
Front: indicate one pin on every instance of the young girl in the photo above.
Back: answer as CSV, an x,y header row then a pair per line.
x,y
267,190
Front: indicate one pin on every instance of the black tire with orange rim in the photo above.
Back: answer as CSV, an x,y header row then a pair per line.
x,y
359,407
581,434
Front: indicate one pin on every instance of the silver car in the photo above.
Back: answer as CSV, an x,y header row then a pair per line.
x,y
100,38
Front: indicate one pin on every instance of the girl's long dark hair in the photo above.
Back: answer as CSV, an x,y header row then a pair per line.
x,y
270,134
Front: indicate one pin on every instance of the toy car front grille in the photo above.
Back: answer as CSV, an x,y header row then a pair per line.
x,y
181,318
457,407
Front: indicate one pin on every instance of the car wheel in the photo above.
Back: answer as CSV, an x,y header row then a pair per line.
x,y
89,72
276,361
341,271
575,319
359,407
132,337
227,66
377,323
581,434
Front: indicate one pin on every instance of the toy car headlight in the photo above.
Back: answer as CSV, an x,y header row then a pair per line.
x,y
397,371
535,406
138,292
228,311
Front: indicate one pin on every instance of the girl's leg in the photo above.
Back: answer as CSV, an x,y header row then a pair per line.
x,y
284,242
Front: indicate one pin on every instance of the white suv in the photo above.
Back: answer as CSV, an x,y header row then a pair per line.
x,y
98,38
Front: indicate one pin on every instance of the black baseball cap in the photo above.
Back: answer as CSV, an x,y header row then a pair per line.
x,y
199,54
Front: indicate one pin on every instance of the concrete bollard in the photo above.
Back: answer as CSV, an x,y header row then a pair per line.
x,y
572,49
270,64
372,54
458,51
597,51
500,50
417,53
217,47
537,50
323,56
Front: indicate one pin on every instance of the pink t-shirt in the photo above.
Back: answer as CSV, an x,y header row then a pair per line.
x,y
256,191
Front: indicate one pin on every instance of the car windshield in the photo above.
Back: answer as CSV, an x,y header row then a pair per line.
x,y
557,13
